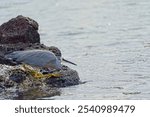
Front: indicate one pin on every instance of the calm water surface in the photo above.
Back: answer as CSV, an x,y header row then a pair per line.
x,y
108,39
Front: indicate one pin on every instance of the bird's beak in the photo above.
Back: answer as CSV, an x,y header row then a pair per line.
x,y
68,61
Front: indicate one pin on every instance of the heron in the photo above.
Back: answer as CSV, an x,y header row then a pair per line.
x,y
43,59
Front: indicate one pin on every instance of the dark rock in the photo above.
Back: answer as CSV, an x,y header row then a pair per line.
x,y
18,76
7,61
36,93
19,29
9,83
69,77
2,79
1,87
20,33
22,85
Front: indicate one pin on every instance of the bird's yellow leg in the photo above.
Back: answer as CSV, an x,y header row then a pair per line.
x,y
36,74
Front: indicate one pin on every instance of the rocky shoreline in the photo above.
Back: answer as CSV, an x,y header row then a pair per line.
x,y
21,33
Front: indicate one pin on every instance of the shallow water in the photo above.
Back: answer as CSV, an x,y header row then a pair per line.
x,y
108,39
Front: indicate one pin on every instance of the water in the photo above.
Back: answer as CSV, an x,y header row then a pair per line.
x,y
108,39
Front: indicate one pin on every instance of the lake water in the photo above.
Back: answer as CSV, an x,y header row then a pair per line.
x,y
108,39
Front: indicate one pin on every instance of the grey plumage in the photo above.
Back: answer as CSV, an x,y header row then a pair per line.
x,y
36,58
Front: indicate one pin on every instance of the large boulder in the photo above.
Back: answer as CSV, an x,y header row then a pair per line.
x,y
20,33
19,29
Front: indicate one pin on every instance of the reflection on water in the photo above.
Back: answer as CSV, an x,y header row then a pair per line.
x,y
108,39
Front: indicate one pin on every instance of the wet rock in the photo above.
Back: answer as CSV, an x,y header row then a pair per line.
x,y
7,61
19,29
36,93
17,76
17,84
22,85
28,88
69,78
1,89
2,79
8,83
21,34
